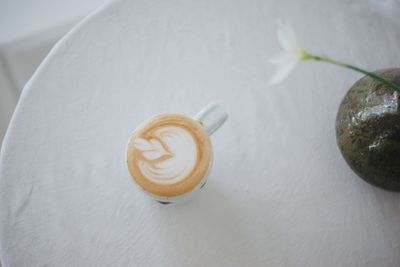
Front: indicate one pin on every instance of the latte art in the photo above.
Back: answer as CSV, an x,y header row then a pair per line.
x,y
170,158
169,155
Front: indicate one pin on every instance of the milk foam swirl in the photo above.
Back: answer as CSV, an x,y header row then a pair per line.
x,y
169,157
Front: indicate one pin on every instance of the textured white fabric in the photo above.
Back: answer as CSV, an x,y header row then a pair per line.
x,y
280,193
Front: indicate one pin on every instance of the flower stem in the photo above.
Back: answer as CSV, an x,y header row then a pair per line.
x,y
374,76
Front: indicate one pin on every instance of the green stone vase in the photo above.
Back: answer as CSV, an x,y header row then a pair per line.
x,y
368,130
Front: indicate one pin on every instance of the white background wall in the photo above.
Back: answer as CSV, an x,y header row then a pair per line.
x,y
28,30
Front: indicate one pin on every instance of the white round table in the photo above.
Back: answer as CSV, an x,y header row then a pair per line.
x,y
280,193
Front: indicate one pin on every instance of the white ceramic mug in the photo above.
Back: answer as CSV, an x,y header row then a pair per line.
x,y
170,155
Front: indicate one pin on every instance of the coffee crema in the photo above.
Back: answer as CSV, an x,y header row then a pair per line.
x,y
169,155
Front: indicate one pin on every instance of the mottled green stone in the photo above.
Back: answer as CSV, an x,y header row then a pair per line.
x,y
368,130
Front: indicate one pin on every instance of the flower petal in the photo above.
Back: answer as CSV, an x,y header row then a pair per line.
x,y
286,36
282,72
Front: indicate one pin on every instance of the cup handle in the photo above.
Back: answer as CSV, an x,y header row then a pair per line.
x,y
211,117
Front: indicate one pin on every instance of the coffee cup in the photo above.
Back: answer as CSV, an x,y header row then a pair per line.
x,y
169,156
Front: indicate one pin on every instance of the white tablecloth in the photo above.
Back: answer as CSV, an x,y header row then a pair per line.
x,y
280,193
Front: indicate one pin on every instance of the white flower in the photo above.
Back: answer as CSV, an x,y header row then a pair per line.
x,y
289,57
